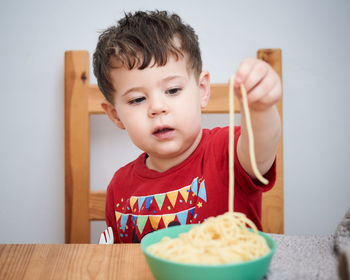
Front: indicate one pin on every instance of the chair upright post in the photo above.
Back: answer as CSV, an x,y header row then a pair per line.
x,y
77,147
273,201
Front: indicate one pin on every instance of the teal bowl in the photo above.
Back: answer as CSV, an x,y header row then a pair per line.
x,y
169,270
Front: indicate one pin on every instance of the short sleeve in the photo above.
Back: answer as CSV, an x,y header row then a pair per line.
x,y
110,214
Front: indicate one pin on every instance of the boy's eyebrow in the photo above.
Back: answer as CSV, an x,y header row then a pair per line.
x,y
132,89
171,78
167,79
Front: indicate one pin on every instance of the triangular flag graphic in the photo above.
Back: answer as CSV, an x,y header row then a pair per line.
x,y
140,201
172,196
134,219
133,199
168,218
191,211
202,192
149,200
117,216
182,217
184,192
159,199
194,185
141,221
123,221
154,221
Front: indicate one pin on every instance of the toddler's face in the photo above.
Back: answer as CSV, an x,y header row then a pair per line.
x,y
160,107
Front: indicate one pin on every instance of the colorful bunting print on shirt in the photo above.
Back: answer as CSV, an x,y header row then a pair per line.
x,y
133,199
202,192
172,196
159,198
140,221
182,217
194,185
117,216
123,220
159,210
184,192
149,200
168,218
140,201
154,221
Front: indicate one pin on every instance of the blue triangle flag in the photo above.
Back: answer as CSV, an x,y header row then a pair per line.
x,y
140,201
194,185
134,219
123,220
182,217
149,200
202,192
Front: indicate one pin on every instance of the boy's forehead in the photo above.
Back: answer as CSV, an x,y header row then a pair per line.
x,y
123,78
116,62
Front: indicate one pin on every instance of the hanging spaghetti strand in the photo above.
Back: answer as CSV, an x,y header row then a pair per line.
x,y
231,141
231,147
251,137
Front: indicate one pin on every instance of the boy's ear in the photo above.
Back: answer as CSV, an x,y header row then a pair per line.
x,y
112,113
204,85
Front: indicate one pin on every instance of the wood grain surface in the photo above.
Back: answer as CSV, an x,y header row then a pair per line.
x,y
73,261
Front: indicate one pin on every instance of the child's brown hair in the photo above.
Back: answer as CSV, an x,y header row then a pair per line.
x,y
141,38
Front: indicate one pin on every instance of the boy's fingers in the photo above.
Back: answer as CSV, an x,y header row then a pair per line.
x,y
257,74
268,99
274,94
262,87
243,71
241,75
261,82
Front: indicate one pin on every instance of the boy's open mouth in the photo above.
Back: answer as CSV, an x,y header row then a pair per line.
x,y
164,133
162,130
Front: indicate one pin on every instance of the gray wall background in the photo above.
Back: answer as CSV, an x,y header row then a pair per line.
x,y
313,35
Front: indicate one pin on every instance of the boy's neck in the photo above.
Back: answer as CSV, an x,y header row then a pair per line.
x,y
164,164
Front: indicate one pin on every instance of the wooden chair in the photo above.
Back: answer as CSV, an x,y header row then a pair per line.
x,y
82,99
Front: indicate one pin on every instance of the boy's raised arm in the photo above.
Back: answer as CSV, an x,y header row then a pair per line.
x,y
264,90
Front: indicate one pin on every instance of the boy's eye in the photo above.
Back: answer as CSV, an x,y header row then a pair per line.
x,y
173,91
136,100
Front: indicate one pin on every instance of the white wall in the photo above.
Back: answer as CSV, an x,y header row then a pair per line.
x,y
313,35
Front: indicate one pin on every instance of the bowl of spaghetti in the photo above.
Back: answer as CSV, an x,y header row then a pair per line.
x,y
225,247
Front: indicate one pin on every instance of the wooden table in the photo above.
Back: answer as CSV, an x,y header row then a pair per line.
x,y
296,257
73,261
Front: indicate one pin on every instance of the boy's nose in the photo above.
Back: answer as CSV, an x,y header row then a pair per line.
x,y
157,106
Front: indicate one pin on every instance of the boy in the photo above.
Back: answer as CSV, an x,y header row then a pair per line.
x,y
149,69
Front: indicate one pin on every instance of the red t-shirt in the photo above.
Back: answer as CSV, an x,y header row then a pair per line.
x,y
140,200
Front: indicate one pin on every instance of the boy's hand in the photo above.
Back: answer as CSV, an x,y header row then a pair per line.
x,y
264,89
262,83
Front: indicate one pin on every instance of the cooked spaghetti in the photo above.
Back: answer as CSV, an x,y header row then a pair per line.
x,y
223,239
227,238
